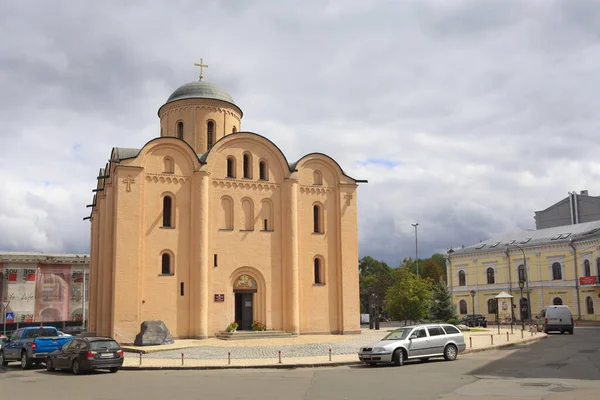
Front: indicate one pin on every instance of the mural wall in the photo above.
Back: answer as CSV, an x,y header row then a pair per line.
x,y
44,292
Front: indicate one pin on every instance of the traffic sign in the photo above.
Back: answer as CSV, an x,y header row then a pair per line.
x,y
10,316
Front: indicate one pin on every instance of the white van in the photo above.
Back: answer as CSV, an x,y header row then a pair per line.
x,y
555,318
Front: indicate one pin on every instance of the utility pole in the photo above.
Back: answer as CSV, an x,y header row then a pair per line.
x,y
416,247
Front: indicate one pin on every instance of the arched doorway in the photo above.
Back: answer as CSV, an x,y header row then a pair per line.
x,y
557,301
244,289
524,309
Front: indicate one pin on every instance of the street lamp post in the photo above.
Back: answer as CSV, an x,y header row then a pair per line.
x,y
521,284
473,302
526,278
416,246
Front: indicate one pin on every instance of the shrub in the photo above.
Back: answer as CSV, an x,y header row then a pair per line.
x,y
258,326
232,326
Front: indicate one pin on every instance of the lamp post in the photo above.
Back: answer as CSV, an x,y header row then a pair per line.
x,y
521,284
526,278
416,246
473,302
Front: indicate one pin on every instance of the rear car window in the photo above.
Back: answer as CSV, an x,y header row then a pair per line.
x,y
105,344
33,333
435,331
450,329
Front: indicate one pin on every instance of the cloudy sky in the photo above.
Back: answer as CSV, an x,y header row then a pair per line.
x,y
465,116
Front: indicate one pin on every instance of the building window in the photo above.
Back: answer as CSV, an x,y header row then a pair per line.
x,y
462,279
180,130
462,306
248,214
317,219
181,291
317,178
168,165
587,271
557,301
215,264
589,305
210,132
167,211
230,167
262,171
556,271
166,264
318,271
247,166
267,215
226,213
490,276
491,303
522,274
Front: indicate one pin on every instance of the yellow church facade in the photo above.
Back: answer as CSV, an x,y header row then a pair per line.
x,y
558,266
208,224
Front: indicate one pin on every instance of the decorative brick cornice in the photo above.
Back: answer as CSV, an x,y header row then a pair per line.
x,y
319,190
245,185
200,104
166,178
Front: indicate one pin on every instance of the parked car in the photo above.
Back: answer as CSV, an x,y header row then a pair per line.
x,y
31,345
474,320
555,318
75,330
412,342
85,354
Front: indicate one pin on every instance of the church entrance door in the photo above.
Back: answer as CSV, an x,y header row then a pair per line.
x,y
243,310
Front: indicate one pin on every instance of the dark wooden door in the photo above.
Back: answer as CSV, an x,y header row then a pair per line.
x,y
243,311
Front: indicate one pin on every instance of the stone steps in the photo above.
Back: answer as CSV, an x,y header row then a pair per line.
x,y
245,335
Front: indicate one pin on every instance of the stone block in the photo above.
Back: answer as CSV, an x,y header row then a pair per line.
x,y
153,333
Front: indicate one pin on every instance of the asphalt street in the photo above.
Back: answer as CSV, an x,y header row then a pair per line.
x,y
554,367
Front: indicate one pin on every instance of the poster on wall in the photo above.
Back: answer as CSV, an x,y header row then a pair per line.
x,y
19,290
79,289
52,293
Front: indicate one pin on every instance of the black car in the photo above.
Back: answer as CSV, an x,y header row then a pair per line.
x,y
74,330
85,354
474,320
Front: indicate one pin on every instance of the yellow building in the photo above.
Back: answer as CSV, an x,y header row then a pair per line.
x,y
558,265
208,224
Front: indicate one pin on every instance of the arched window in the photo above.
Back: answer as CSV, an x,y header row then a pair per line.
x,y
490,276
167,211
317,178
266,215
168,165
247,166
557,301
589,305
226,222
462,306
166,264
248,214
210,131
317,219
556,271
522,274
462,279
318,271
491,303
234,130
230,167
586,268
262,171
180,130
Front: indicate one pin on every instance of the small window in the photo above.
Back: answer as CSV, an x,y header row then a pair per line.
x,y
166,264
247,166
210,129
512,241
318,272
167,212
180,130
234,130
526,240
491,304
556,271
317,228
181,292
450,330
317,178
556,237
589,305
490,276
262,171
495,244
462,306
564,236
168,165
481,246
230,167
587,270
462,278
265,225
435,331
215,261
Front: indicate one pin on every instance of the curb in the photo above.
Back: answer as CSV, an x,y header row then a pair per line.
x,y
209,367
504,345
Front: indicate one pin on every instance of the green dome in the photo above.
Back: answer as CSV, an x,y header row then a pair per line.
x,y
200,90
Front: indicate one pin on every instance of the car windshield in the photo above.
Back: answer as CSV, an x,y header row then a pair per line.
x,y
105,344
399,334
33,333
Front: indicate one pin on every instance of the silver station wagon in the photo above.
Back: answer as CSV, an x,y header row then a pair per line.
x,y
415,342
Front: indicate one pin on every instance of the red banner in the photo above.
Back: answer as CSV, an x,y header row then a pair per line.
x,y
588,280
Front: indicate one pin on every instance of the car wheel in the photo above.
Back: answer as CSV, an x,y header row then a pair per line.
x,y
113,370
398,357
424,359
450,352
3,362
76,367
49,366
25,361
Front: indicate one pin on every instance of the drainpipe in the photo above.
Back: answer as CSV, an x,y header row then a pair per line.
x,y
575,201
571,208
576,278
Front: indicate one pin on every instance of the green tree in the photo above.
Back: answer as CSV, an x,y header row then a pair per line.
x,y
433,267
375,279
409,298
442,307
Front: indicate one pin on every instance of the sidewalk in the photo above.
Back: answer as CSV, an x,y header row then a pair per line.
x,y
297,352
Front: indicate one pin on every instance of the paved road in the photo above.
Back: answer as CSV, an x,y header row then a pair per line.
x,y
553,368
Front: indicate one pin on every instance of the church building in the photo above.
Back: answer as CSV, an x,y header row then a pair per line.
x,y
209,224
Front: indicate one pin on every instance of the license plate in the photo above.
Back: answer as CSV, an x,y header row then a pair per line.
x,y
366,357
106,355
